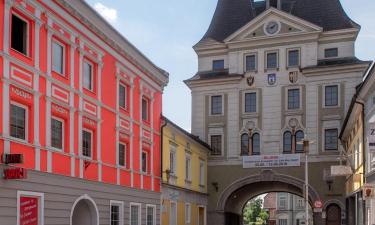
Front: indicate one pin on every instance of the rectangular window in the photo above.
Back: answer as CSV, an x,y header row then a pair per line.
x,y
272,60
57,57
122,154
188,168
250,62
144,162
331,52
135,215
87,143
172,161
57,132
282,201
187,213
216,144
150,215
173,216
300,203
250,102
19,32
122,96
331,139
88,78
144,109
115,215
18,122
218,64
331,95
293,99
283,222
201,173
216,105
293,58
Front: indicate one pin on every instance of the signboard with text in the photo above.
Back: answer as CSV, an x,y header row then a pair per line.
x,y
371,137
28,211
264,161
15,173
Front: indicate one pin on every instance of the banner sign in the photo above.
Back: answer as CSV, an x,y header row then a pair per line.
x,y
13,158
28,211
263,161
371,137
15,173
341,171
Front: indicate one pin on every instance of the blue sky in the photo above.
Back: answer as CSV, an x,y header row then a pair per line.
x,y
166,30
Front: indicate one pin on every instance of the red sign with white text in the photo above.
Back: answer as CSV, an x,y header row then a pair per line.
x,y
28,211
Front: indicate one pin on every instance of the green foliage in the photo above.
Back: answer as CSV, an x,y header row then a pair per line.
x,y
254,214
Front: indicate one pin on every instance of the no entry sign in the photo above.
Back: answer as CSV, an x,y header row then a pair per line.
x,y
318,204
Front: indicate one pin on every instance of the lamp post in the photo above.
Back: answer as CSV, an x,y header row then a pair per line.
x,y
306,150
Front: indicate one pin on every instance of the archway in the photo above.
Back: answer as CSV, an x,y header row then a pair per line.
x,y
333,215
84,212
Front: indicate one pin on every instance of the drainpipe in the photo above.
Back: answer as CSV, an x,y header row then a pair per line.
x,y
161,146
363,157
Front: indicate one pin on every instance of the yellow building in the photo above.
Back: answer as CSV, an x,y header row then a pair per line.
x,y
184,165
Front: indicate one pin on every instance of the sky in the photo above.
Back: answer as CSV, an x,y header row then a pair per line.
x,y
166,30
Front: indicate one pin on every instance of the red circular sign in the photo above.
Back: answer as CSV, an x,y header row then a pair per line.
x,y
318,204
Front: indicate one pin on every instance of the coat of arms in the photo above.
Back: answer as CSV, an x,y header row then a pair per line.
x,y
250,80
293,77
272,79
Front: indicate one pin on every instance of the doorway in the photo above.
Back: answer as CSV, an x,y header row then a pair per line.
x,y
333,215
201,216
84,213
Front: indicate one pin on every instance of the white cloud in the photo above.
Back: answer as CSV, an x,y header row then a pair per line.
x,y
106,12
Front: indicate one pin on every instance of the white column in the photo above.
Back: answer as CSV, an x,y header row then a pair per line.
x,y
117,127
48,98
36,93
140,134
152,142
80,113
131,134
71,110
99,116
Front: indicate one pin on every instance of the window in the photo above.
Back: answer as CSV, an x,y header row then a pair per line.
x,y
218,64
299,138
87,143
216,105
122,155
244,144
18,122
144,109
293,58
150,210
144,162
293,99
250,62
173,216
216,144
88,78
272,60
19,39
273,3
256,144
122,96
283,221
201,173
117,213
250,102
172,161
300,202
57,130
188,168
331,136
187,213
331,52
57,57
282,201
287,140
331,95
135,214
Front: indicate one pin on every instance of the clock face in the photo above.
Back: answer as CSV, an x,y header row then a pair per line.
x,y
272,27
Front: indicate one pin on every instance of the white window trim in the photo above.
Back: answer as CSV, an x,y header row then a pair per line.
x,y
333,57
188,172
26,122
27,35
216,60
213,132
244,102
139,212
118,155
148,109
121,210
188,216
338,96
92,75
210,106
266,61
126,89
147,158
205,214
175,203
202,177
63,134
154,213
286,98
245,62
54,40
92,144
299,57
173,150
40,205
324,140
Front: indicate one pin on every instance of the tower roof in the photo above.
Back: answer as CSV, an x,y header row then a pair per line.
x,y
231,15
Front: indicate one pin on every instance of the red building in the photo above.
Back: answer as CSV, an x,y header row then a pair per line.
x,y
82,105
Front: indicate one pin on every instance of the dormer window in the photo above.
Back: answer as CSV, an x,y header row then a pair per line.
x,y
218,64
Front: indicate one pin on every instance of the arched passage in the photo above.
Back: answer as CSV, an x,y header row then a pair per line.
x,y
84,212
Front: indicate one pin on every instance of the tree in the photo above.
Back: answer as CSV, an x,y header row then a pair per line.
x,y
254,214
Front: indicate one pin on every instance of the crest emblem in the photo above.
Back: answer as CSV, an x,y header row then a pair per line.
x,y
250,80
272,79
293,77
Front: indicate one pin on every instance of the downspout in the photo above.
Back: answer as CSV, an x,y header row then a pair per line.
x,y
364,210
161,146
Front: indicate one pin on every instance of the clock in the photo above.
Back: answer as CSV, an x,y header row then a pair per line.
x,y
272,28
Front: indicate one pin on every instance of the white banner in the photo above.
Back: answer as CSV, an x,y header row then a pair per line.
x,y
263,161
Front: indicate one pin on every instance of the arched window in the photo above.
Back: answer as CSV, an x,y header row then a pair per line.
x,y
299,137
287,142
244,144
256,144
